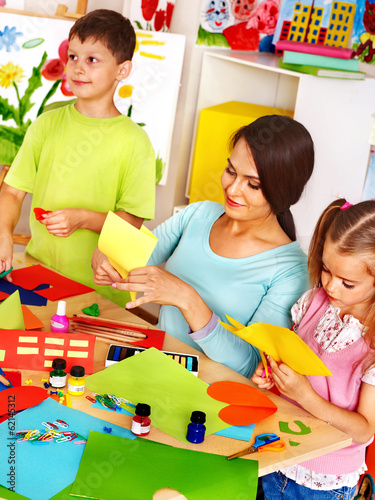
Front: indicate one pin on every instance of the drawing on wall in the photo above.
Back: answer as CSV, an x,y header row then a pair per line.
x,y
325,22
33,54
363,39
238,24
151,15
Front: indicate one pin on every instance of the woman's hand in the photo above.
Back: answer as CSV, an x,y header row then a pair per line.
x,y
6,254
63,222
158,286
104,273
262,382
290,383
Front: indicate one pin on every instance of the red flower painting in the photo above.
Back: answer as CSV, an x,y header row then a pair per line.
x,y
54,69
159,19
149,8
169,13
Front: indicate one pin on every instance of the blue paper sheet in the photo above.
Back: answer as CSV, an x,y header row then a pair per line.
x,y
41,471
27,297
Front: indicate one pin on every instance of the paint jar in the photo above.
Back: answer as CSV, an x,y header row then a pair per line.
x,y
141,422
196,429
57,376
76,381
59,321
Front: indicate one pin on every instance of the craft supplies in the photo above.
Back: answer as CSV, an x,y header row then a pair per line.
x,y
141,421
76,381
59,321
4,273
263,442
57,376
119,352
196,429
111,331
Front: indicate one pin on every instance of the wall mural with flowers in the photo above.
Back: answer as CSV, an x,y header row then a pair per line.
x,y
33,55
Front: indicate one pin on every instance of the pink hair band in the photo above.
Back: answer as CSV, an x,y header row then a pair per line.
x,y
346,206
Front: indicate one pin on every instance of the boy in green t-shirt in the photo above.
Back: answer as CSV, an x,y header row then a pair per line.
x,y
83,159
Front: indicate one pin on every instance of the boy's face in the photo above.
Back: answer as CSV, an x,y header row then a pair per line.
x,y
92,71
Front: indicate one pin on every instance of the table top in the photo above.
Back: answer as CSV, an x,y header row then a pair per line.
x,y
322,440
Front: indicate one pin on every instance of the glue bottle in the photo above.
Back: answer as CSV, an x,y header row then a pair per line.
x,y
196,429
141,422
59,321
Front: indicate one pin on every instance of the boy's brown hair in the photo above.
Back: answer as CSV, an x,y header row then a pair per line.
x,y
111,29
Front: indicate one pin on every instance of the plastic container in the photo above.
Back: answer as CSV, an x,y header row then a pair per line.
x,y
57,376
196,429
76,381
141,422
59,321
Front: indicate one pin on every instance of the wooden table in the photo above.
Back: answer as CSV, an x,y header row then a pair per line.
x,y
323,438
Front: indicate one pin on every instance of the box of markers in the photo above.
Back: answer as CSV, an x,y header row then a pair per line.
x,y
119,352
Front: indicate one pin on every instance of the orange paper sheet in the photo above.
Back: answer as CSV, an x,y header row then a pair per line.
x,y
31,321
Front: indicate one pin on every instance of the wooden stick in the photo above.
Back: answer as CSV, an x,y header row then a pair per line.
x,y
103,329
114,338
106,320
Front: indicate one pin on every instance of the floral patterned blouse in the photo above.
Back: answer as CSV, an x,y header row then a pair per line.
x,y
332,334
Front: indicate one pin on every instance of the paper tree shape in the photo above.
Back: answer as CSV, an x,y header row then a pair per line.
x,y
282,344
125,246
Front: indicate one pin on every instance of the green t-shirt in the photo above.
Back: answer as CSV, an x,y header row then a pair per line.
x,y
70,160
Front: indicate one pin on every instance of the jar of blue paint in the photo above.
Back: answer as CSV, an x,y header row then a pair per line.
x,y
196,429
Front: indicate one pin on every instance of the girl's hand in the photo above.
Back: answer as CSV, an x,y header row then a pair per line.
x,y
262,382
104,273
63,222
290,383
158,286
6,255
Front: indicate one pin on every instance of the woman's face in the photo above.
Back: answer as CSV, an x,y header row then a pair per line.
x,y
244,199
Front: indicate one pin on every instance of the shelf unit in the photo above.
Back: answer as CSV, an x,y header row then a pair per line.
x,y
337,113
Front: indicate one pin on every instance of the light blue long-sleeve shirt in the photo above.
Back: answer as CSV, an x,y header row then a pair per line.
x,y
260,288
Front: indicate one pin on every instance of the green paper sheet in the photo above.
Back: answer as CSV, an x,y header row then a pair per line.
x,y
11,317
172,391
6,494
113,468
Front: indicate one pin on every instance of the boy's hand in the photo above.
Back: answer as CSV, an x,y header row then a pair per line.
x,y
63,222
290,383
104,273
6,255
261,382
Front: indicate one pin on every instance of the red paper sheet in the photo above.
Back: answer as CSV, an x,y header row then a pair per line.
x,y
39,212
33,276
19,398
24,350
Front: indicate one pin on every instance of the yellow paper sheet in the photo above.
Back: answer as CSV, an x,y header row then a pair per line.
x,y
125,246
11,317
282,344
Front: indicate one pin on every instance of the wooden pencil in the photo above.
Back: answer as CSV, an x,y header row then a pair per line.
x,y
95,320
114,337
115,331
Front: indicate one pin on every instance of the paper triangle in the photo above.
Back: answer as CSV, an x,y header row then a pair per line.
x,y
11,317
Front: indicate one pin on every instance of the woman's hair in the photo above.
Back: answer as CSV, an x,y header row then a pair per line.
x,y
351,228
283,152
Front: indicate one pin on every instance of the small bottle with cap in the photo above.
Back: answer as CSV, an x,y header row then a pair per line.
x,y
57,376
59,321
196,429
141,421
76,381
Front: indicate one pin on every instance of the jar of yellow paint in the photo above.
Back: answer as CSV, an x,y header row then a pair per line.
x,y
76,382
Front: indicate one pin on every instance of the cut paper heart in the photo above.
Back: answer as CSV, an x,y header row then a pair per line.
x,y
248,405
39,212
282,344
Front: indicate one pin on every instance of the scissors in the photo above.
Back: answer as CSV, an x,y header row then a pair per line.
x,y
263,442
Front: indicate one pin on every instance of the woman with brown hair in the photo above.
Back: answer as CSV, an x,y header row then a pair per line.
x,y
241,259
